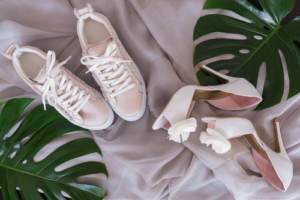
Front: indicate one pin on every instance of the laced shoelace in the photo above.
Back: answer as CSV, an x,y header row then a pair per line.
x,y
111,70
61,89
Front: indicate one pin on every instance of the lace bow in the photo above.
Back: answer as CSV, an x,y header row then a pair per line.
x,y
60,90
111,70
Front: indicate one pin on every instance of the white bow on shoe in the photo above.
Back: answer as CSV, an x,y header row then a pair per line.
x,y
180,131
217,141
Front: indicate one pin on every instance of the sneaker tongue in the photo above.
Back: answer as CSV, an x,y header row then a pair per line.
x,y
99,48
41,76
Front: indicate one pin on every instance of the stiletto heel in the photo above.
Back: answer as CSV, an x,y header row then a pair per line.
x,y
221,76
279,147
274,165
277,134
234,94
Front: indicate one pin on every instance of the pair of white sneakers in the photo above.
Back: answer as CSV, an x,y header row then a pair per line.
x,y
106,59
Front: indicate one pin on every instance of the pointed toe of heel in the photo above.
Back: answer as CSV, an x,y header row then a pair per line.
x,y
274,165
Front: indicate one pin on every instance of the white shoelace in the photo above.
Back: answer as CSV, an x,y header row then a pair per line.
x,y
62,90
111,70
180,131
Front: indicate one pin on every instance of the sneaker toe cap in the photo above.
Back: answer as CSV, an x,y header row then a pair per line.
x,y
130,105
96,114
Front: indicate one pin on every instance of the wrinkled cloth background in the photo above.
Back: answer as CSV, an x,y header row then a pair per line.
x,y
143,164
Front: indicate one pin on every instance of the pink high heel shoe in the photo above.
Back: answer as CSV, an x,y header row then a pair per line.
x,y
234,94
274,165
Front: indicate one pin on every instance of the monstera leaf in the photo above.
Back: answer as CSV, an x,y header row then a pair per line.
x,y
244,37
23,178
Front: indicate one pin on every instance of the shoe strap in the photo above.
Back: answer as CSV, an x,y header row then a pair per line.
x,y
10,50
85,10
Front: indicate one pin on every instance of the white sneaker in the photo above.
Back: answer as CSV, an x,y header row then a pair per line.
x,y
111,66
74,99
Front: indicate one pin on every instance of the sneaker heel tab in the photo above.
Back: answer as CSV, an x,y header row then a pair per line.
x,y
10,50
82,11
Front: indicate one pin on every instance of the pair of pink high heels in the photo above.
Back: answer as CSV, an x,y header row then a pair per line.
x,y
233,94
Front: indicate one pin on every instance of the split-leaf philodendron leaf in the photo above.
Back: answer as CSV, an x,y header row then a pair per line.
x,y
245,38
23,178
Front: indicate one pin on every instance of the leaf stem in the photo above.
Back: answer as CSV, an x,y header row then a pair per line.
x,y
24,172
260,46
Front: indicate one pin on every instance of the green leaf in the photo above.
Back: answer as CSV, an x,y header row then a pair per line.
x,y
2,102
261,39
18,168
290,28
